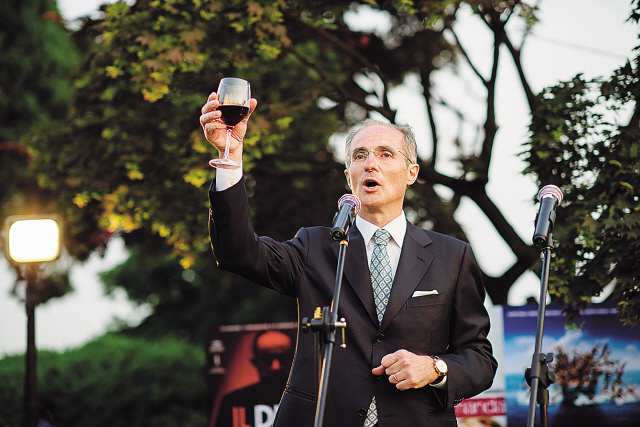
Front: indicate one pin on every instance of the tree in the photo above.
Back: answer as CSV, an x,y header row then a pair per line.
x,y
35,58
113,381
130,147
187,302
36,55
582,140
596,164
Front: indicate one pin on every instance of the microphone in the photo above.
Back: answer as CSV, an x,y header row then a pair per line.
x,y
348,207
550,197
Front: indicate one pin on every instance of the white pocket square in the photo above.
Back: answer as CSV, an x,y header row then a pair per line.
x,y
424,293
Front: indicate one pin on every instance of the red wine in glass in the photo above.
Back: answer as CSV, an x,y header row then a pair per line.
x,y
233,114
234,96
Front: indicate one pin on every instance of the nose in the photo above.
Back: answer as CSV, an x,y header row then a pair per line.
x,y
275,365
371,162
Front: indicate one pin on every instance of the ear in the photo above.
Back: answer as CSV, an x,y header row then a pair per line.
x,y
412,173
346,174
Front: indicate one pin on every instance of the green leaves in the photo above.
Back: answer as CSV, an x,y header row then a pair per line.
x,y
112,381
595,161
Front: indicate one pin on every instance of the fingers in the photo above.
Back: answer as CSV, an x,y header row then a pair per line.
x,y
253,103
394,379
400,381
378,371
209,111
211,104
390,361
405,369
215,130
392,366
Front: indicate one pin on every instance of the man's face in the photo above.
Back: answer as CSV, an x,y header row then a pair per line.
x,y
380,184
273,354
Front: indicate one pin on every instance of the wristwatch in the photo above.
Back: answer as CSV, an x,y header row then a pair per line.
x,y
440,367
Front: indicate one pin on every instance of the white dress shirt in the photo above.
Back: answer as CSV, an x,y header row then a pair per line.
x,y
226,178
397,228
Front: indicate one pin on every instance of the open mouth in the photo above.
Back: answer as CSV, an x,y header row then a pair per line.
x,y
371,183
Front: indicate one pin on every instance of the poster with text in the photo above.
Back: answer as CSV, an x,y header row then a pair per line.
x,y
488,409
247,369
597,367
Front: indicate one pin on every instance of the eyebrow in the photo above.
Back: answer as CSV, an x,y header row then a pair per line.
x,y
379,147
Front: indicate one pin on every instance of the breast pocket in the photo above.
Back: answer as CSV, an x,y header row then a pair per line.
x,y
427,300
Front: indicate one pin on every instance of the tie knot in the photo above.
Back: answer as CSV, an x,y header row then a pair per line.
x,y
382,237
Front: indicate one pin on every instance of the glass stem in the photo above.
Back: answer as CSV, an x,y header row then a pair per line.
x,y
226,146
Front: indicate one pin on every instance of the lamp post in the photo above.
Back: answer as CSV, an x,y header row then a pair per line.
x,y
31,239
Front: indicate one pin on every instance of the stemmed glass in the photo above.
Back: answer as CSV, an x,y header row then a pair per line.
x,y
234,96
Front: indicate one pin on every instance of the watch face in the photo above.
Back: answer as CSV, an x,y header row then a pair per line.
x,y
441,365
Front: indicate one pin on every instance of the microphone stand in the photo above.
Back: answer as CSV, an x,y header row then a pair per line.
x,y
538,376
324,324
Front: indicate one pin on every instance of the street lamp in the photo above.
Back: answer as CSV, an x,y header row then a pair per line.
x,y
30,240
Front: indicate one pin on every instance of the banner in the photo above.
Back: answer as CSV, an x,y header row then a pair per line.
x,y
597,367
247,369
488,408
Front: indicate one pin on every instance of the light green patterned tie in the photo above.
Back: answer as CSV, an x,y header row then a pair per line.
x,y
381,274
381,280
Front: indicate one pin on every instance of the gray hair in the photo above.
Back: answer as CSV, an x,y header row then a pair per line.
x,y
408,138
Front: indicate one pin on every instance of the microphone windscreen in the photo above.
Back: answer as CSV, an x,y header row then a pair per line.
x,y
350,198
551,191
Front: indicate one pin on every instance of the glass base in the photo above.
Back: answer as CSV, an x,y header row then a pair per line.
x,y
224,164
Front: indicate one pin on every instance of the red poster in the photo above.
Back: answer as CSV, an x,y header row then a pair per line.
x,y
247,368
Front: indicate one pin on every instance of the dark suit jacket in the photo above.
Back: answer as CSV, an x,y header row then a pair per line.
x,y
452,324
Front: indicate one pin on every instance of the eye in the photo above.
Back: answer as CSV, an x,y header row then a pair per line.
x,y
359,156
385,154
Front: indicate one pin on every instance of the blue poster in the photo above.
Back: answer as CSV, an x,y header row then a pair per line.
x,y
597,367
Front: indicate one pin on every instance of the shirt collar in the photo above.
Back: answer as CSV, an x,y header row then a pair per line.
x,y
397,228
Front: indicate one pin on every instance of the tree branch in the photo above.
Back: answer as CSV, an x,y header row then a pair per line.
x,y
475,190
345,94
343,46
466,56
515,54
426,90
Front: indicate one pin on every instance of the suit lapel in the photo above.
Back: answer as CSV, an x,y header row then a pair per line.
x,y
415,259
356,270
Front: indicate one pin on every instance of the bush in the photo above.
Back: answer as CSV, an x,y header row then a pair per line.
x,y
113,381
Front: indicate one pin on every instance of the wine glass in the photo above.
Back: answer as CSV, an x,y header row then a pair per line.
x,y
234,96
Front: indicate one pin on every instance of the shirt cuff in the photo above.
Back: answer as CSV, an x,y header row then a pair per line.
x,y
227,178
442,385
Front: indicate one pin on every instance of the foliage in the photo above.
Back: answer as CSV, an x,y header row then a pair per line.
x,y
112,381
186,302
33,86
50,283
36,54
131,146
594,158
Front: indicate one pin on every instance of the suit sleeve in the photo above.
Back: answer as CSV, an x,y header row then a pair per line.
x,y
239,250
471,364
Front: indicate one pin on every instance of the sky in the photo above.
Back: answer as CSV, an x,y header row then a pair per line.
x,y
573,36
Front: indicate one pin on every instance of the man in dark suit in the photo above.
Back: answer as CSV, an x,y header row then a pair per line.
x,y
417,327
